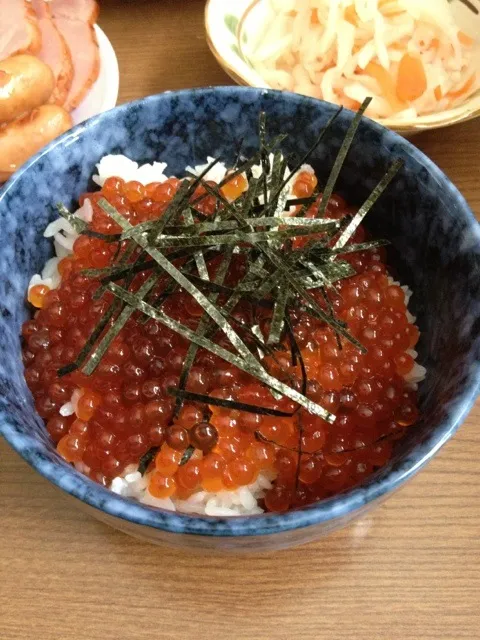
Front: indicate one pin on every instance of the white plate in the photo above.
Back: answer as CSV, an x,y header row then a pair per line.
x,y
104,93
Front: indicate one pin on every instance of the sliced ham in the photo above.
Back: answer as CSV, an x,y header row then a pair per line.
x,y
83,45
54,52
19,31
84,10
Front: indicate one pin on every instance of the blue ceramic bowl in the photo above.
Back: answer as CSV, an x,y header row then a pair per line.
x,y
436,250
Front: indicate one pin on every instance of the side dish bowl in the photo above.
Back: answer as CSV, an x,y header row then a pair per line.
x,y
435,250
230,26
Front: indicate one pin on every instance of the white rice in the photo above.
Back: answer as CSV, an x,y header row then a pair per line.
x,y
123,167
216,173
242,501
131,484
70,407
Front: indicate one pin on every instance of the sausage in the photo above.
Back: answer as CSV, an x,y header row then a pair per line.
x,y
22,138
25,83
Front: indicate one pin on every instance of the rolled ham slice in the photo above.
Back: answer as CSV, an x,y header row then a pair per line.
x,y
80,37
54,52
19,31
84,10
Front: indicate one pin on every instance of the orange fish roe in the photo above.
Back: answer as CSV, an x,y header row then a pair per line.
x,y
305,184
36,295
87,403
234,187
125,409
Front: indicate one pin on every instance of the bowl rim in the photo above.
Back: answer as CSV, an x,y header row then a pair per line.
x,y
406,127
335,508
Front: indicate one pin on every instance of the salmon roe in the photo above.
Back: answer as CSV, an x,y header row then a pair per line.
x,y
124,409
234,187
36,295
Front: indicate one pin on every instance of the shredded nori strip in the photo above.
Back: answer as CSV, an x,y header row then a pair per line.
x,y
147,459
342,154
296,352
308,154
136,303
183,281
203,326
278,262
227,404
87,347
187,454
78,224
199,257
368,204
116,327
278,318
237,237
106,237
267,221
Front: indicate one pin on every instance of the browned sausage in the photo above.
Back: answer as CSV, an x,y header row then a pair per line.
x,y
25,83
22,138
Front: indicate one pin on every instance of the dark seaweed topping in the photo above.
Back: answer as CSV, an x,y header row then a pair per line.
x,y
174,251
227,404
147,459
187,454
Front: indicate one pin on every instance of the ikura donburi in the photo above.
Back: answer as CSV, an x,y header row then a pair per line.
x,y
124,408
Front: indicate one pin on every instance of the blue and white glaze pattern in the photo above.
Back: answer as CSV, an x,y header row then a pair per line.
x,y
436,249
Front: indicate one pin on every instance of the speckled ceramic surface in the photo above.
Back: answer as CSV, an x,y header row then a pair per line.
x,y
436,250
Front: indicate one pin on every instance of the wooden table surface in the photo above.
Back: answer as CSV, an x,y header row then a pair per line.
x,y
410,570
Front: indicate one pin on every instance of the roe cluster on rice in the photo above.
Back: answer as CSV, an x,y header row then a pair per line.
x,y
176,360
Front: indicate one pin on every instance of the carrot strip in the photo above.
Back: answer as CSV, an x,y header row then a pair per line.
x,y
314,19
437,92
465,89
411,79
387,85
348,103
350,15
465,39
389,8
399,45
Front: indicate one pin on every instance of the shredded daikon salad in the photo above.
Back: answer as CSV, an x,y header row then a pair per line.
x,y
410,55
